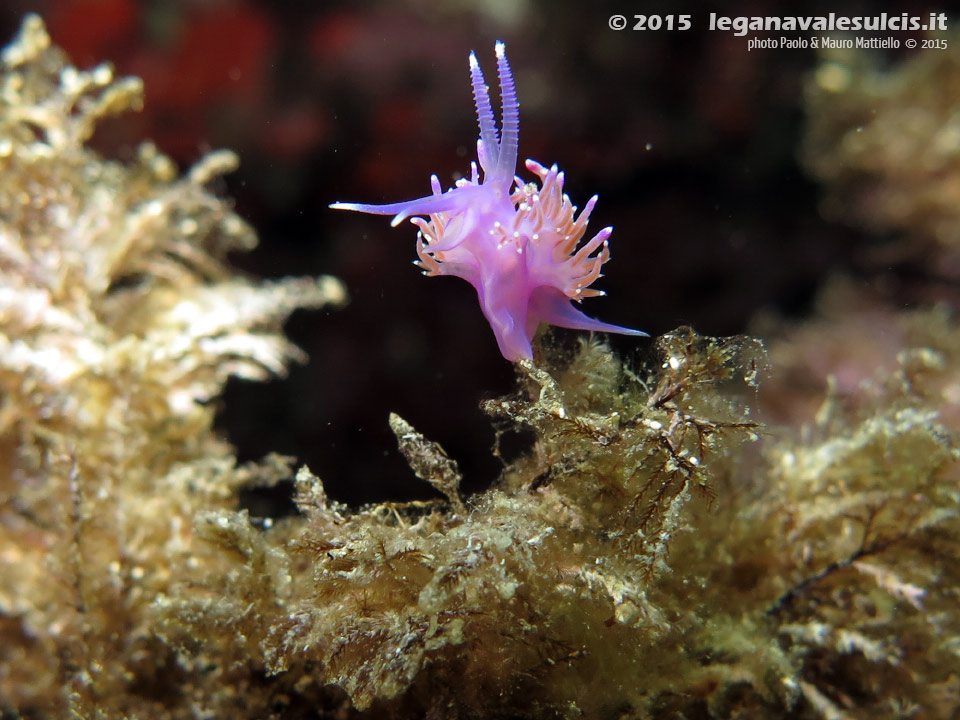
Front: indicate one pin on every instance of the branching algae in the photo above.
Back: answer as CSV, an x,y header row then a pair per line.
x,y
656,553
883,141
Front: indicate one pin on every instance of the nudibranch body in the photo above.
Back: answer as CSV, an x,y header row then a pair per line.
x,y
514,242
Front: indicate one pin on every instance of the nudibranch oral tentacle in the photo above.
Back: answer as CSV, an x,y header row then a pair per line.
x,y
517,243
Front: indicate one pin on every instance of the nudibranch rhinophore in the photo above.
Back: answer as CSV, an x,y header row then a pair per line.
x,y
514,242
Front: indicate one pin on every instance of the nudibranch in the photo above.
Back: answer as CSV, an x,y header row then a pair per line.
x,y
514,242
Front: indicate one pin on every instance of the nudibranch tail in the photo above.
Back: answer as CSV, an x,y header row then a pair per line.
x,y
518,244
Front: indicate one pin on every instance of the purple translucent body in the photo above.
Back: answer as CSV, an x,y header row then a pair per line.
x,y
515,242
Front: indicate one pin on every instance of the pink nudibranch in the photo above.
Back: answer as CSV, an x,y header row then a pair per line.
x,y
514,242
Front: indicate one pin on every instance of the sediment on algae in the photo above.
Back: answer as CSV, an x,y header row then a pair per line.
x,y
657,552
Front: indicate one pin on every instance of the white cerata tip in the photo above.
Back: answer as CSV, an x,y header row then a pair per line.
x,y
473,61
500,49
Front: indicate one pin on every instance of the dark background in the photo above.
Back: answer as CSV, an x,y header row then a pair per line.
x,y
690,141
